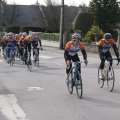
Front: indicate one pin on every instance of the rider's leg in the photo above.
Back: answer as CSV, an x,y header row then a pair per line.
x,y
102,57
76,58
68,64
108,55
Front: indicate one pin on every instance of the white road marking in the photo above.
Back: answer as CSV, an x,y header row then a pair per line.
x,y
34,88
10,108
57,63
1,60
94,75
45,57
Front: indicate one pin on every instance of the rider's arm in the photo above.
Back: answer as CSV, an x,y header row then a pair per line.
x,y
67,49
115,50
81,45
40,42
84,54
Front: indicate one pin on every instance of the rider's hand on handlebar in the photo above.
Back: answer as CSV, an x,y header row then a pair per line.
x,y
86,62
118,58
41,48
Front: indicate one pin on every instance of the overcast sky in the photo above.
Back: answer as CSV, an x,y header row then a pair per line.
x,y
68,2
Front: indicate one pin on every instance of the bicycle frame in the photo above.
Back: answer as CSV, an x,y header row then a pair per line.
x,y
12,55
75,80
29,62
108,75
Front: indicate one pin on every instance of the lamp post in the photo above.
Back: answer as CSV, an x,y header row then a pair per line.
x,y
61,25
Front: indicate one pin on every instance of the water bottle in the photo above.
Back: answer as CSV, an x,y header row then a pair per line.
x,y
105,71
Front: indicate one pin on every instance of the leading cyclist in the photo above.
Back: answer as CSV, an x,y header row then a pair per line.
x,y
70,53
104,46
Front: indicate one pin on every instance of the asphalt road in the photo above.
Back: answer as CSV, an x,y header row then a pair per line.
x,y
42,94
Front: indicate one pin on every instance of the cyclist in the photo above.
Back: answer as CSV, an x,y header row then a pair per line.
x,y
36,43
104,46
27,45
3,41
10,43
21,44
70,53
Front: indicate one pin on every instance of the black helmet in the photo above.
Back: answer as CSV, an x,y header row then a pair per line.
x,y
107,35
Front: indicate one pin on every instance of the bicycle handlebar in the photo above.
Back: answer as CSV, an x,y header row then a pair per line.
x,y
114,59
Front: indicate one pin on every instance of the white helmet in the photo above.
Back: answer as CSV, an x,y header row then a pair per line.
x,y
76,36
10,34
24,34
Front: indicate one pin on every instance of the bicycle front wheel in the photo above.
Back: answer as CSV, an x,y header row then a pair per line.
x,y
100,81
29,65
70,83
79,87
110,79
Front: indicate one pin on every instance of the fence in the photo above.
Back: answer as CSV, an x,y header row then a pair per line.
x,y
49,36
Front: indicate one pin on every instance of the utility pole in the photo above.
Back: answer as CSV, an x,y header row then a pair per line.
x,y
61,25
118,41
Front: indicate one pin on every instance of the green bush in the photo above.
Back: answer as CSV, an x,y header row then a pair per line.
x,y
84,21
14,29
1,28
91,33
29,28
2,34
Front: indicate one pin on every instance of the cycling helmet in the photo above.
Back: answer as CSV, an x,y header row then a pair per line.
x,y
34,33
24,34
107,35
20,34
10,34
76,36
16,35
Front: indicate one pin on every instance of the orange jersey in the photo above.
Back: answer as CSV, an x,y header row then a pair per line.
x,y
0,38
27,38
106,46
73,49
10,40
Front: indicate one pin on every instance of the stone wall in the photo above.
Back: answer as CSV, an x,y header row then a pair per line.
x,y
94,48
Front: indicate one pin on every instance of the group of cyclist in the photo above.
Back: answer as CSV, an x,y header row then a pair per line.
x,y
73,46
22,42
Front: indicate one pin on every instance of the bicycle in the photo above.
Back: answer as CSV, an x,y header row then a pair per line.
x,y
75,80
108,75
4,54
12,55
36,57
29,61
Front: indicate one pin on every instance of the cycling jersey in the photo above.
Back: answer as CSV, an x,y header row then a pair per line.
x,y
105,47
35,42
10,40
73,49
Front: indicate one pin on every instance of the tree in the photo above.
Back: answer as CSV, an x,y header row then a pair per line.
x,y
52,14
8,15
84,21
107,14
90,35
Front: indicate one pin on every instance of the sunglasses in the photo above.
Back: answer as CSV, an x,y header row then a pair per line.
x,y
75,40
107,39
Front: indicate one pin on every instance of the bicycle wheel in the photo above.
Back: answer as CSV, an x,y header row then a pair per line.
x,y
30,65
79,87
100,81
70,83
11,59
37,62
110,79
